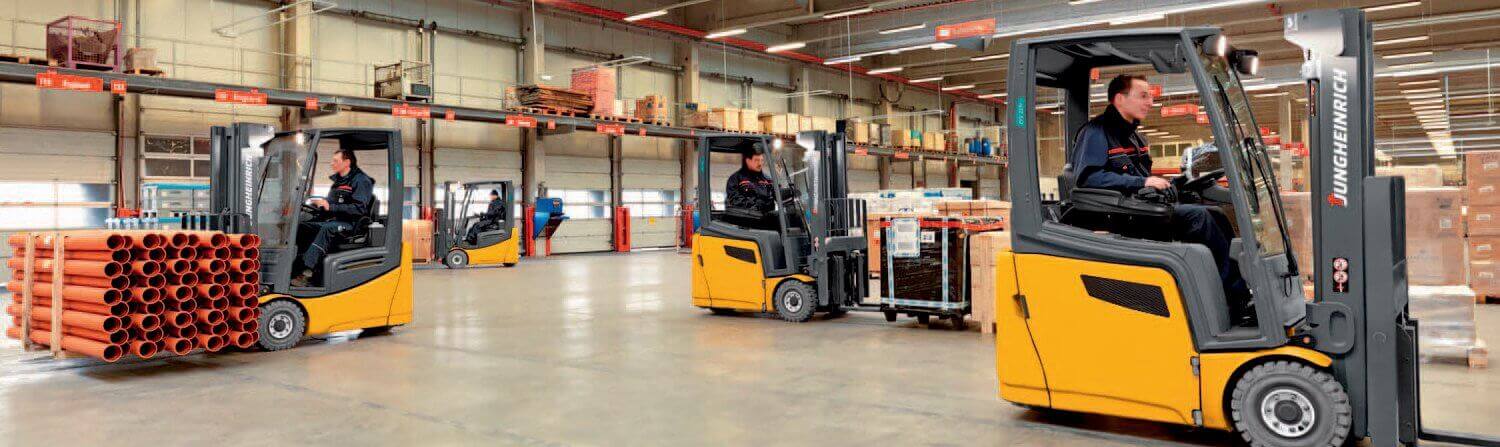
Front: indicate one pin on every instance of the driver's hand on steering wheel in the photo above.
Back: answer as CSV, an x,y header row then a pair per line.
x,y
1158,183
323,204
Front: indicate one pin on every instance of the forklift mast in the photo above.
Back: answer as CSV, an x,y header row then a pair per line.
x,y
835,222
234,151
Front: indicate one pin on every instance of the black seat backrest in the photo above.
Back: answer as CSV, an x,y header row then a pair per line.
x,y
1066,180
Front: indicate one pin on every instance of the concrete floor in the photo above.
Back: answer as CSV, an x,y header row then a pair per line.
x,y
593,350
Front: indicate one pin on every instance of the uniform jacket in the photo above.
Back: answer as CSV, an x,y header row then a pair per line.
x,y
1109,154
350,196
750,190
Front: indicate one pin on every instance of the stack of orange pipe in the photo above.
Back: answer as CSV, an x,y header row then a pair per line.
x,y
142,293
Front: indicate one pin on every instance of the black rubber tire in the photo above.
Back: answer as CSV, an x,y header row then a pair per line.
x,y
1331,413
795,301
377,330
288,321
722,311
924,319
456,259
509,264
958,323
890,316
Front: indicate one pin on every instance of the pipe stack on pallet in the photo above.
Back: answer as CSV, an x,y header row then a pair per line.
x,y
140,293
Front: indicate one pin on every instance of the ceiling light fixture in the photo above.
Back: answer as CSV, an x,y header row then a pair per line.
x,y
991,95
1392,6
785,47
942,46
1136,19
1401,40
903,29
1413,64
958,87
646,15
989,57
1411,83
842,60
1421,90
856,11
726,33
1406,55
932,79
884,70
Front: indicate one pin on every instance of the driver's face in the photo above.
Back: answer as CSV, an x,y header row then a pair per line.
x,y
1134,103
338,164
756,162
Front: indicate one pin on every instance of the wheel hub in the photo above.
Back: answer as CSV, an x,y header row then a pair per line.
x,y
793,301
1288,413
281,326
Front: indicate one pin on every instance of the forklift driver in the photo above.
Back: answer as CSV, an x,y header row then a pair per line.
x,y
749,197
490,219
1111,155
348,201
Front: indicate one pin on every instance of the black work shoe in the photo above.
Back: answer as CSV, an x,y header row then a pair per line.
x,y
303,280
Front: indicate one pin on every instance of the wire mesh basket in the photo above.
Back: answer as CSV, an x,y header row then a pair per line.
x,y
418,72
81,42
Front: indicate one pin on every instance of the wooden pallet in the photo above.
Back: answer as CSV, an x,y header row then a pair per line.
x,y
1479,355
19,59
662,123
545,111
154,72
615,118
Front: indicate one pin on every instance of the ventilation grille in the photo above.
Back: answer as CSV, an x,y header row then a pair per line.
x,y
1134,296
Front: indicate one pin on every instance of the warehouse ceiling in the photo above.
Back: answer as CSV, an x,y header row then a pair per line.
x,y
1436,85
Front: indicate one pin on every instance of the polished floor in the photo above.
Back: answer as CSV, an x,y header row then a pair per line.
x,y
593,350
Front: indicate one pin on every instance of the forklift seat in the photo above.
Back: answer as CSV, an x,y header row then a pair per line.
x,y
364,232
1109,210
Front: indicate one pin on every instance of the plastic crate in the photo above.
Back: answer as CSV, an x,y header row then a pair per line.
x,y
81,42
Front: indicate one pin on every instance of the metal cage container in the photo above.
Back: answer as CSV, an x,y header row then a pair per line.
x,y
405,80
81,42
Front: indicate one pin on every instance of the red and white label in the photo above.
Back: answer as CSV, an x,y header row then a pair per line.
x,y
411,111
610,128
1178,110
449,115
1201,118
1155,91
56,81
520,121
1297,147
117,87
973,28
252,97
311,103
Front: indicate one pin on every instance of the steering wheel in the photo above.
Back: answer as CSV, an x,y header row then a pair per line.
x,y
1204,181
1162,196
309,208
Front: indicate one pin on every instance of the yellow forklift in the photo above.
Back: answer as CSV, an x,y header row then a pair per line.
x,y
495,241
1090,320
806,255
261,184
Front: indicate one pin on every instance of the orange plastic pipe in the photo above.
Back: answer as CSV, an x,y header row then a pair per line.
x,y
239,314
173,318
220,328
214,266
144,239
242,340
241,290
79,240
188,331
219,304
145,295
83,255
244,240
143,349
145,322
71,293
211,239
210,343
209,316
175,239
250,253
154,281
114,338
221,278
243,326
178,293
186,279
100,269
71,318
178,346
145,268
148,254
116,309
156,307
209,291
178,266
118,282
92,348
251,302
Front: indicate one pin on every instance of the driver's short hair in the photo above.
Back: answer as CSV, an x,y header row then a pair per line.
x,y
1120,84
348,154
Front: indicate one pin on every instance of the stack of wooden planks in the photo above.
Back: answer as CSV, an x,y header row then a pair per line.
x,y
555,98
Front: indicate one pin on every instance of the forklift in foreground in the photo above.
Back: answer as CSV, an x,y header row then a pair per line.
x,y
1093,321
807,255
496,241
261,183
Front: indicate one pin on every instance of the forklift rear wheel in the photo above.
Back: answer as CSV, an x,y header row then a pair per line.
x,y
890,316
923,318
795,301
958,323
281,325
456,259
1285,403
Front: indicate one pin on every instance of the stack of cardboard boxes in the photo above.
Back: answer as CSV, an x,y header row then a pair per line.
x,y
1482,170
983,249
652,109
599,84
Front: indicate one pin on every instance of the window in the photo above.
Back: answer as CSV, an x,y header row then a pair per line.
x,y
175,157
47,206
584,203
650,202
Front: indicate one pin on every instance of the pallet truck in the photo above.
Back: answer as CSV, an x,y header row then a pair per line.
x,y
805,256
260,184
497,243
1095,322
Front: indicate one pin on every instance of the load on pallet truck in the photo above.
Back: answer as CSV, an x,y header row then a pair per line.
x,y
803,255
1092,320
261,184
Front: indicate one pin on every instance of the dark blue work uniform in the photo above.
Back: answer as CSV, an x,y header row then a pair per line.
x,y
1111,155
751,191
348,200
488,221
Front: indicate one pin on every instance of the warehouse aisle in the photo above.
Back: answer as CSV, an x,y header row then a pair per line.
x,y
579,350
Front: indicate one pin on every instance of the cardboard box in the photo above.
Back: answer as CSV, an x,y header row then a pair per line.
x,y
599,83
1483,220
749,120
1482,166
983,248
1435,261
858,131
1482,248
1417,176
777,123
823,123
417,234
878,133
140,59
805,123
651,109
1434,212
1482,192
1484,277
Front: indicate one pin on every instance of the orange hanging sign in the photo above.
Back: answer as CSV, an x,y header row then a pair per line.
x,y
1178,110
411,111
861,151
610,128
1201,118
449,115
252,97
311,103
1155,91
520,121
55,81
973,28
902,155
117,86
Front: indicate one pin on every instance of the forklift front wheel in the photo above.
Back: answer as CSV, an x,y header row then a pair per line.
x,y
282,325
959,323
795,301
456,259
1284,403
923,318
890,316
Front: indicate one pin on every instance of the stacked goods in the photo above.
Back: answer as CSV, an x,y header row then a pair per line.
x,y
926,264
79,42
651,109
417,234
858,131
934,140
1434,236
1298,207
142,59
750,121
1417,176
823,123
136,292
805,123
880,134
1482,176
991,133
779,123
599,84
725,118
1447,328
559,99
983,248
975,208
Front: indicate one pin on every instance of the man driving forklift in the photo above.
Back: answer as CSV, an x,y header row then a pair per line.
x,y
1111,155
490,219
347,201
749,194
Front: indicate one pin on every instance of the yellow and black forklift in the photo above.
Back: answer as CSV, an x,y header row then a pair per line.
x,y
1095,321
806,255
466,236
261,183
